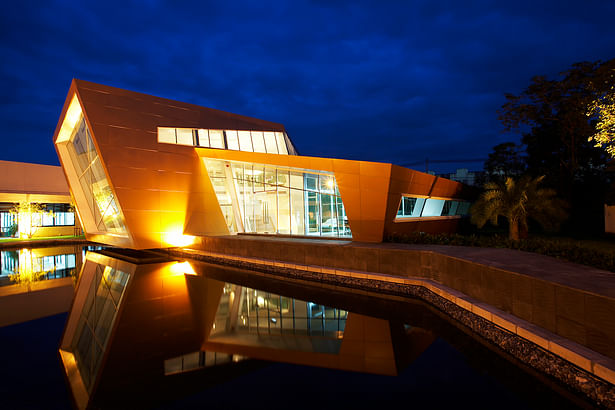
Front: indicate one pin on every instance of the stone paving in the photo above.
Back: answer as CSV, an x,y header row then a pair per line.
x,y
551,269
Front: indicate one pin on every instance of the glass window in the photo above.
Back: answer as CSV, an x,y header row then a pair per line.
x,y
450,207
418,207
433,207
296,180
166,135
270,177
237,170
60,262
227,211
35,219
279,136
47,219
203,138
48,263
245,141
215,169
58,218
311,182
258,141
265,202
342,220
428,207
259,178
216,139
231,140
329,219
283,211
93,181
297,209
312,216
70,260
463,208
185,136
327,183
270,143
283,178
250,141
410,207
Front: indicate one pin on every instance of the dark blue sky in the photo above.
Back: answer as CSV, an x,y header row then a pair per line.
x,y
381,81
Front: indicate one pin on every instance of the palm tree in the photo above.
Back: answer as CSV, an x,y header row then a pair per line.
x,y
518,200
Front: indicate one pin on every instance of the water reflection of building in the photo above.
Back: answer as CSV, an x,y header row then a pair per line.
x,y
147,172
141,321
42,185
37,282
40,263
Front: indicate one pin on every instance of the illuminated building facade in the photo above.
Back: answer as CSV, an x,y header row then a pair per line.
x,y
147,172
35,201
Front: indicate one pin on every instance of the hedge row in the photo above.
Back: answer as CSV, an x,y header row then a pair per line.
x,y
573,251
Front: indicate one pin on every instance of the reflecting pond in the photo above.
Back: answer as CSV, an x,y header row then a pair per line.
x,y
166,334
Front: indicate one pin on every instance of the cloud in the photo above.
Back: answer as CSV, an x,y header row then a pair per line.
x,y
394,82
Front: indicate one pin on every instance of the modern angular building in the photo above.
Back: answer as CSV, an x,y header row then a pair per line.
x,y
147,172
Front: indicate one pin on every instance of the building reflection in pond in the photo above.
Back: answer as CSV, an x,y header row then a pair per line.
x,y
27,265
142,324
33,264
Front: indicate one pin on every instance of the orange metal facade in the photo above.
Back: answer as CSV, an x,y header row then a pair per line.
x,y
163,190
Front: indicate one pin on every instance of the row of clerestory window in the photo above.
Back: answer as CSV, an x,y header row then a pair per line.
x,y
418,207
270,142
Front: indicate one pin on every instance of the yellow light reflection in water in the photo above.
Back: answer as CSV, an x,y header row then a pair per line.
x,y
182,268
30,269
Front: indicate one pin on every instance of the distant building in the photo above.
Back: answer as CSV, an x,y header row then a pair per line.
x,y
463,175
44,185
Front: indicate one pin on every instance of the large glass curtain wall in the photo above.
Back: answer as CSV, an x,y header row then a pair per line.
x,y
257,198
415,207
93,180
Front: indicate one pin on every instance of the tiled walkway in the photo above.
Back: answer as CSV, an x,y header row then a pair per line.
x,y
532,264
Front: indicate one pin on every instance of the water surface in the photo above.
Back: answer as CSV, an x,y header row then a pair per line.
x,y
189,335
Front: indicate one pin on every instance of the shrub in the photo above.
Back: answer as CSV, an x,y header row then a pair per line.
x,y
13,230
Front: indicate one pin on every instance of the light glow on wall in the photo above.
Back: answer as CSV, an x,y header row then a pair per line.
x,y
177,238
25,224
73,115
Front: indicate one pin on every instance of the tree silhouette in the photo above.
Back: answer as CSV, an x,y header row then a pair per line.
x,y
518,200
551,115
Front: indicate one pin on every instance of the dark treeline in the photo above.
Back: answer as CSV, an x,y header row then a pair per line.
x,y
552,117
